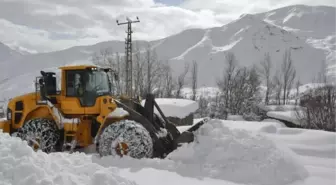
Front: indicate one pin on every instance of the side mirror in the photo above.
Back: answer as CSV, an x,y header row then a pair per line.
x,y
41,82
42,89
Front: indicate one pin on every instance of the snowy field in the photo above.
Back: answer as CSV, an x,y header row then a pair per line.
x,y
225,153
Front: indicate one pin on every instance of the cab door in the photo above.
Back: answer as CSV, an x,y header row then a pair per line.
x,y
71,103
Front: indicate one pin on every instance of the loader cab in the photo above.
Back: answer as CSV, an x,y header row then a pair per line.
x,y
85,83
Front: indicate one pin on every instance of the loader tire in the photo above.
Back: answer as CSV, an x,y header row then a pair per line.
x,y
40,134
129,135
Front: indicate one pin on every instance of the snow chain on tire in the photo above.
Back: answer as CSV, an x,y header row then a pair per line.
x,y
41,130
134,135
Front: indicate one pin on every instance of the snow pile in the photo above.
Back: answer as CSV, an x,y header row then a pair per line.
x,y
268,126
307,142
231,155
171,107
19,165
238,156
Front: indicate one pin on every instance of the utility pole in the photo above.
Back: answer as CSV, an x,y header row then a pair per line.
x,y
128,55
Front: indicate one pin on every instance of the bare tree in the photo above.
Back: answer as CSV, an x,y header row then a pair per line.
x,y
319,109
168,81
149,67
203,104
227,82
3,103
138,72
277,86
215,107
239,89
322,77
181,80
290,85
103,58
194,74
265,71
297,85
153,70
119,73
288,74
106,58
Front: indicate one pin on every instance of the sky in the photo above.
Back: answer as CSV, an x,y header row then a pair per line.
x,y
49,25
170,2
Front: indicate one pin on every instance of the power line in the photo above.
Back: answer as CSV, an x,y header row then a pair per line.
x,y
128,55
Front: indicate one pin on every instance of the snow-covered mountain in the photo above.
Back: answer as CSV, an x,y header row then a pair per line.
x,y
6,53
309,21
250,38
315,23
309,32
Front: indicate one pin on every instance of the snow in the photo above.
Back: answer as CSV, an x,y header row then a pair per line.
x,y
202,42
228,46
162,133
20,165
118,113
290,116
172,107
238,156
235,117
316,24
314,149
225,152
60,119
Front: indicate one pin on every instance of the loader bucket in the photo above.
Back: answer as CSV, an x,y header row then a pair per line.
x,y
4,125
154,124
188,135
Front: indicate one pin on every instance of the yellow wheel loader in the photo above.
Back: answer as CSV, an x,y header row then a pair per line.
x,y
85,113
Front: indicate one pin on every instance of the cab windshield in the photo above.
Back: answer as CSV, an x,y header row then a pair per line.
x,y
91,83
97,82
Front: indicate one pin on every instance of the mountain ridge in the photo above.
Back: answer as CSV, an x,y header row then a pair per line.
x,y
249,37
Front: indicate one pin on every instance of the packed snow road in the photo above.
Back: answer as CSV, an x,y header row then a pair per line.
x,y
225,152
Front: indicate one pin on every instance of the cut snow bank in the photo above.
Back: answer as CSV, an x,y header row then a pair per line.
x,y
290,116
231,155
171,107
19,165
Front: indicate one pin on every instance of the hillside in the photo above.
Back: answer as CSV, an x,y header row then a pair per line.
x,y
249,37
315,23
6,53
307,21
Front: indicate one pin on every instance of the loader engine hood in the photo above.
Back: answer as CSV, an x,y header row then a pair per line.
x,y
17,103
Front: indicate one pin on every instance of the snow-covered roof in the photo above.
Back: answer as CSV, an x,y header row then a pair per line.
x,y
172,107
